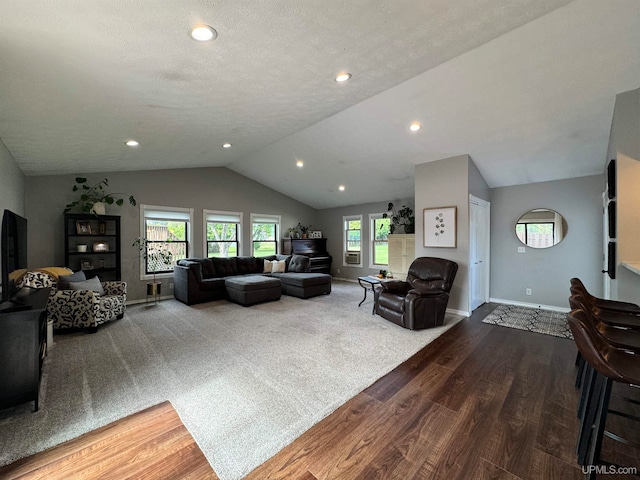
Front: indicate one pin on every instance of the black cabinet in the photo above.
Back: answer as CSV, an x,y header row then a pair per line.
x,y
23,346
92,243
314,248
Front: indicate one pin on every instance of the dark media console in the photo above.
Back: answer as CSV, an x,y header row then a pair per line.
x,y
23,346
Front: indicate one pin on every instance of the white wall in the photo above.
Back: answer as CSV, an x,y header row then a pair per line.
x,y
11,183
547,271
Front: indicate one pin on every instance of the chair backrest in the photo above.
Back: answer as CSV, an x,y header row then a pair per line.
x,y
596,351
426,273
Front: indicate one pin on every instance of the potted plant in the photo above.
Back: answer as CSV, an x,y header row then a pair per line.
x,y
403,217
303,229
156,258
93,198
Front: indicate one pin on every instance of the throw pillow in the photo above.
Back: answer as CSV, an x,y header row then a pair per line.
x,y
91,284
64,280
278,266
267,266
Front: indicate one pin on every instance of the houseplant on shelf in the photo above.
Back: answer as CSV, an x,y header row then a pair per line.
x,y
303,229
157,258
403,217
93,198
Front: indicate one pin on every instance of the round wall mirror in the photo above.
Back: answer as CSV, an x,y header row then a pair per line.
x,y
541,228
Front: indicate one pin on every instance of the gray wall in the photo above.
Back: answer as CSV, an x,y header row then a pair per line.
x,y
547,271
624,146
445,183
202,188
330,221
11,183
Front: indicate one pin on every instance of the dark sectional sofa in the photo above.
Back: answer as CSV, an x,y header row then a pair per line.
x,y
243,280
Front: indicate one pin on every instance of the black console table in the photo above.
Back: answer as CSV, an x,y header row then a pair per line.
x,y
23,346
314,248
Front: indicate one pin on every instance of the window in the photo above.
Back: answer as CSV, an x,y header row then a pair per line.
x,y
379,246
265,231
536,234
352,240
222,233
167,231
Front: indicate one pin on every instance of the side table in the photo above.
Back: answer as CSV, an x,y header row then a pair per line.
x,y
371,281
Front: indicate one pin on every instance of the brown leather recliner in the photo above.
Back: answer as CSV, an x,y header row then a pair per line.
x,y
421,301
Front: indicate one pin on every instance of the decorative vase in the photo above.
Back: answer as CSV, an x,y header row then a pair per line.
x,y
98,208
81,247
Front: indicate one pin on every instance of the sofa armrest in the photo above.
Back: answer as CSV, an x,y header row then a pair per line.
x,y
114,288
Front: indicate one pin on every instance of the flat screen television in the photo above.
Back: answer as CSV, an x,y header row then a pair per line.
x,y
14,256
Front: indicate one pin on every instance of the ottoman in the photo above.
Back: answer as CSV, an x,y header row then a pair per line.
x,y
305,285
250,289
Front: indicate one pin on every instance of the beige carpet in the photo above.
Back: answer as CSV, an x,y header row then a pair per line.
x,y
245,381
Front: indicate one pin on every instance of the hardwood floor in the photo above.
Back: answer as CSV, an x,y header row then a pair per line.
x,y
480,402
152,444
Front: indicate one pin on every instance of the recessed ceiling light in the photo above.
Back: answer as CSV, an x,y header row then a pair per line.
x,y
415,126
132,143
202,33
299,163
341,188
343,77
226,145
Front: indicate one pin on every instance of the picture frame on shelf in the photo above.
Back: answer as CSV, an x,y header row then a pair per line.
x,y
83,227
440,227
315,234
86,265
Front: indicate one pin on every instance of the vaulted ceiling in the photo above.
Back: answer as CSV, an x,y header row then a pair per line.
x,y
525,87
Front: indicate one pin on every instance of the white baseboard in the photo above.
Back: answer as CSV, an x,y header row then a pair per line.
x,y
458,312
530,305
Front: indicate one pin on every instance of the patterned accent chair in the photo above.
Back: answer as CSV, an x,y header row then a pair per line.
x,y
80,308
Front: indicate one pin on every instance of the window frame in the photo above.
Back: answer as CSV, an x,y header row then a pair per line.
x,y
345,244
537,222
206,214
173,214
372,240
269,219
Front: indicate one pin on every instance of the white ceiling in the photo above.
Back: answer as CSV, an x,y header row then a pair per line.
x,y
525,87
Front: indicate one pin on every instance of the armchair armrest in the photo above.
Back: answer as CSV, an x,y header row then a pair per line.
x,y
396,287
432,292
114,288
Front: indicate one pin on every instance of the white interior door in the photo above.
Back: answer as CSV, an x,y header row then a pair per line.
x,y
479,248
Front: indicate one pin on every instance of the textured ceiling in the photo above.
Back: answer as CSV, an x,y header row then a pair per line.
x,y
526,87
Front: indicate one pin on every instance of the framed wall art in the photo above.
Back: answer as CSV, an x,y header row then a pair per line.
x,y
440,227
315,234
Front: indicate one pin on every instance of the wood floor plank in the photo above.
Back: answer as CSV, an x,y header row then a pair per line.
x,y
151,444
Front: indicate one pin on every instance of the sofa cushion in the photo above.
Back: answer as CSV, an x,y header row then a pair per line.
x,y
278,266
252,282
286,258
299,264
64,280
247,265
212,284
267,266
91,284
304,279
225,267
208,270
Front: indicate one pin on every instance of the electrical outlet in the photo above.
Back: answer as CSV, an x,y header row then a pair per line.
x,y
528,291
170,285
521,250
338,270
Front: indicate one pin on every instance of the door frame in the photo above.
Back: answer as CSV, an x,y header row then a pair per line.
x,y
487,250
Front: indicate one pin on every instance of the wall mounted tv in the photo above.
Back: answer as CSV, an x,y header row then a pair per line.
x,y
13,244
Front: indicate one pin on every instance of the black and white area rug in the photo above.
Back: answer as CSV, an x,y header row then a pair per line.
x,y
530,319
